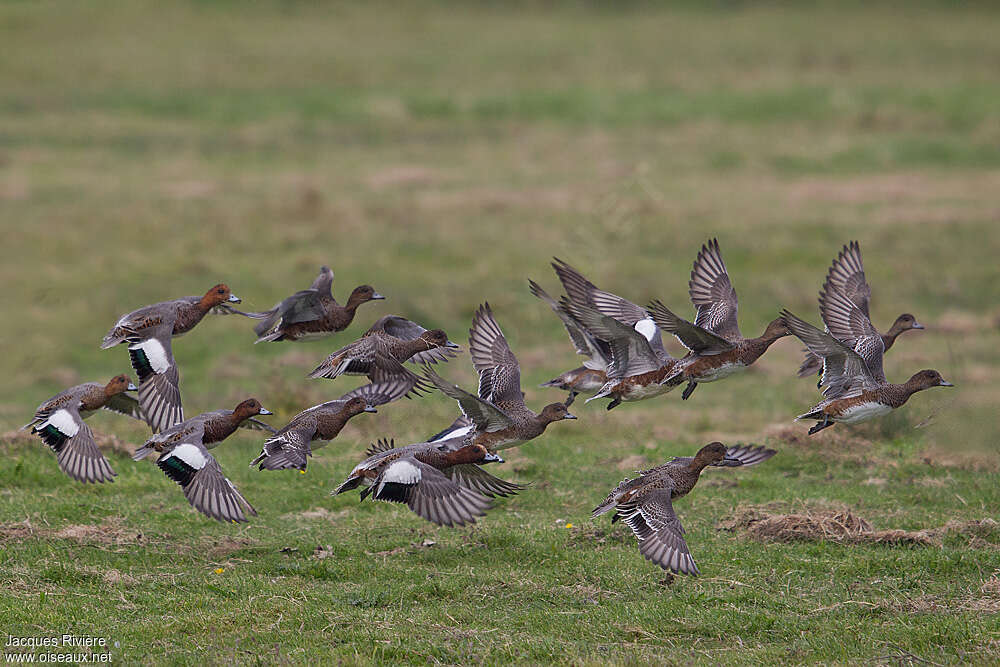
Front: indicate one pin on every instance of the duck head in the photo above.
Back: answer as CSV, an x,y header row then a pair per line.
x,y
362,294
250,408
554,412
119,384
217,295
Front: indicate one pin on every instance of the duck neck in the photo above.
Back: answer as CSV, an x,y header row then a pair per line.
x,y
889,337
217,430
412,347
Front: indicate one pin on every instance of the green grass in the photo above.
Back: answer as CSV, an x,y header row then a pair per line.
x,y
444,153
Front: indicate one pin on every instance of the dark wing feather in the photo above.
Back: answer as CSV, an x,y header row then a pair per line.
x,y
124,404
848,324
844,370
749,454
434,497
583,341
847,273
631,353
380,393
713,295
159,382
475,478
486,416
695,338
660,534
499,372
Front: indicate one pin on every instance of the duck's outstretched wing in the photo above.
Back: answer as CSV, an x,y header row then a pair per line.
x,y
713,295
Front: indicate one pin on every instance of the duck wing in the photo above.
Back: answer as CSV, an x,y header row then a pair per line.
x,y
159,382
631,353
660,533
205,486
713,295
847,273
485,416
846,322
429,492
844,370
585,344
692,336
499,371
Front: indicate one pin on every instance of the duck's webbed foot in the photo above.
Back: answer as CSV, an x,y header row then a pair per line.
x,y
615,403
821,425
688,390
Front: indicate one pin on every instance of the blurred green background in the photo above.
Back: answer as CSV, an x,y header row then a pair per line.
x,y
444,152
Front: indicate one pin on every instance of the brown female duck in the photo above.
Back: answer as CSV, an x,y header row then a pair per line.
x,y
59,423
847,274
855,386
717,348
292,445
646,503
311,313
444,486
379,353
147,332
499,415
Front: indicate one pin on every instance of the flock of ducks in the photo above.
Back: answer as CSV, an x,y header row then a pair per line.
x,y
442,478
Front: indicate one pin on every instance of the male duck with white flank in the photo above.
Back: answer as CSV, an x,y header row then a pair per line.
x,y
148,331
847,274
855,386
379,353
646,502
717,348
292,445
311,313
590,377
184,458
499,415
636,371
59,423
445,486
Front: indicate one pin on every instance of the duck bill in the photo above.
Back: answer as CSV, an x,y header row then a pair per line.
x,y
234,299
730,462
569,416
453,346
131,387
945,383
265,411
917,325
376,296
492,458
370,408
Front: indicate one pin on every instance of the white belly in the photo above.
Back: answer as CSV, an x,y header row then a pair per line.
x,y
723,371
863,412
638,393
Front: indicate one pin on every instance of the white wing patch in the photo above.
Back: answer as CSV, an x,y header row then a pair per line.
x,y
647,328
402,472
190,455
63,421
155,353
457,433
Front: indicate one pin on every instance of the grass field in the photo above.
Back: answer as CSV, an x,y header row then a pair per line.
x,y
444,153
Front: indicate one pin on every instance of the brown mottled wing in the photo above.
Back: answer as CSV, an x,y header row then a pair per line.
x,y
713,295
631,353
357,358
693,337
429,493
749,454
843,369
499,372
583,341
583,292
848,324
404,329
660,534
475,478
289,448
124,404
380,393
847,273
484,415
388,370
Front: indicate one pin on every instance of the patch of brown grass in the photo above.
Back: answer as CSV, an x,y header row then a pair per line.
x,y
112,531
844,526
820,525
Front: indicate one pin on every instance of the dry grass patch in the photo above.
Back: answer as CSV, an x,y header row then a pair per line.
x,y
111,531
844,526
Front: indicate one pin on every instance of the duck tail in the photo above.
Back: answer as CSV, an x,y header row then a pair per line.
x,y
558,383
348,484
